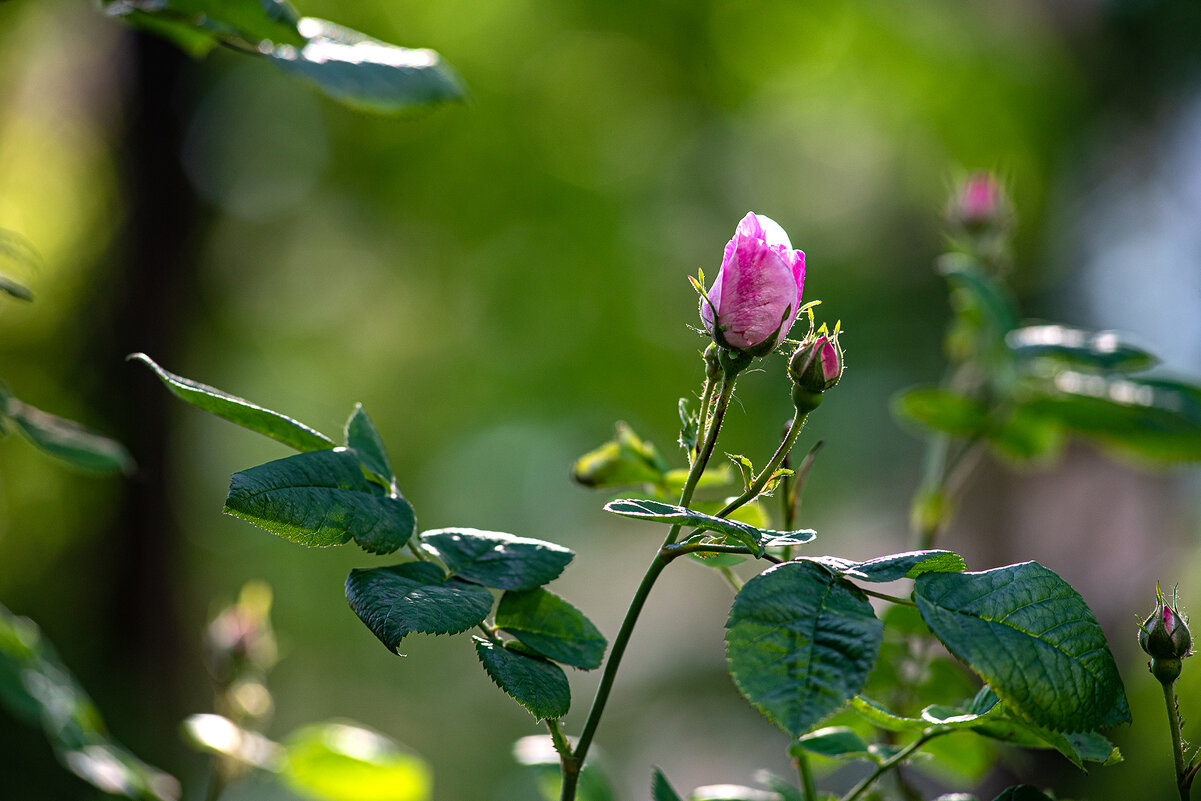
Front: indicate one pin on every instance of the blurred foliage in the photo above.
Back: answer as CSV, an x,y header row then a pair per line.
x,y
498,281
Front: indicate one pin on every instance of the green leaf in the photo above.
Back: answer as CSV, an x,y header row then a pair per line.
x,y
495,559
626,460
1032,638
689,427
364,440
1077,748
553,628
68,440
38,689
320,498
978,293
800,642
835,742
933,716
13,289
1102,351
882,569
941,410
1151,418
17,250
413,597
220,735
365,73
340,762
247,21
539,686
661,789
754,538
1023,792
538,755
236,410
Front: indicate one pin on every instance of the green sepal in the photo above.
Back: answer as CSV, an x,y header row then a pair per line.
x,y
552,627
1032,638
496,559
538,685
236,410
318,499
800,641
414,597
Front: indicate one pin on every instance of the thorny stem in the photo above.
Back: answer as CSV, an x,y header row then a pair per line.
x,y
1182,778
892,762
571,768
702,420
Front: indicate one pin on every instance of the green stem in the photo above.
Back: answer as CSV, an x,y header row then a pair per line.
x,y
702,459
1169,697
681,548
885,597
731,579
892,762
808,786
766,473
417,552
702,419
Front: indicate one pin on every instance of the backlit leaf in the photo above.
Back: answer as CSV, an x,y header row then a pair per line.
x,y
496,559
539,686
543,621
414,597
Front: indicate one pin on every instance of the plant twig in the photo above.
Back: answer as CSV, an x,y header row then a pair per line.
x,y
892,762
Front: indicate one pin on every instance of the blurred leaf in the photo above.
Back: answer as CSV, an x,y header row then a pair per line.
x,y
11,287
979,294
37,688
1032,638
365,73
1023,792
661,790
543,621
1152,418
1024,435
941,410
786,791
413,597
539,686
835,742
68,440
243,412
537,753
220,735
624,461
320,498
731,792
1074,347
17,250
364,440
340,762
799,643
248,22
754,538
495,559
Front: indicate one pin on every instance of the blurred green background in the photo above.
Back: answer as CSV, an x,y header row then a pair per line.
x,y
499,281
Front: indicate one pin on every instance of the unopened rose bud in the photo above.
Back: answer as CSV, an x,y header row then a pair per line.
x,y
979,203
816,366
1165,637
755,299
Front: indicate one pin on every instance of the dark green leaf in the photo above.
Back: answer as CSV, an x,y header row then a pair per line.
x,y
1074,347
910,564
364,440
1077,748
941,410
413,597
661,790
624,461
340,762
320,498
1032,638
754,538
243,412
1023,434
68,440
800,642
496,559
1151,418
365,73
543,621
38,689
540,686
1023,792
836,742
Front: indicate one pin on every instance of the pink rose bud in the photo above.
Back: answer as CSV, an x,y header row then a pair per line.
x,y
979,202
756,296
1165,638
816,366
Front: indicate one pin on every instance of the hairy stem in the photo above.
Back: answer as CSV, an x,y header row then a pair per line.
x,y
1182,779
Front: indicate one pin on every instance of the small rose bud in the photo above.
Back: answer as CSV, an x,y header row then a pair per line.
x,y
816,366
1165,637
756,296
979,203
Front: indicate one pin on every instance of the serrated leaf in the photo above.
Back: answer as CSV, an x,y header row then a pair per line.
x,y
754,538
910,564
1077,748
68,440
365,441
835,742
1075,347
39,689
552,627
320,498
365,73
941,410
800,642
414,597
1027,633
236,410
661,789
496,559
539,686
340,762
